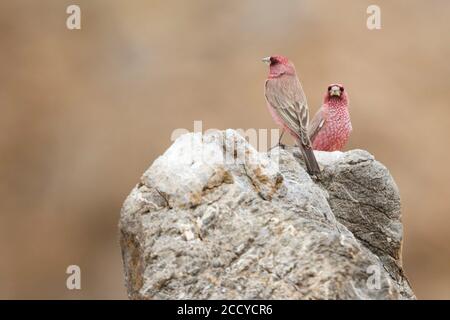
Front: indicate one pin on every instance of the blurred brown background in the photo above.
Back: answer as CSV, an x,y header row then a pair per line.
x,y
84,113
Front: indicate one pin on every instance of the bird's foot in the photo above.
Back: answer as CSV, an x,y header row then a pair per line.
x,y
316,176
279,145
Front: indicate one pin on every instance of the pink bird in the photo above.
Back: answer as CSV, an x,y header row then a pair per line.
x,y
331,126
287,105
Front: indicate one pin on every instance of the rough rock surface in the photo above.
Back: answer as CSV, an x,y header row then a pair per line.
x,y
213,218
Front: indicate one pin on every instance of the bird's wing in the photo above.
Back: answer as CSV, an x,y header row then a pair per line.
x,y
316,124
290,105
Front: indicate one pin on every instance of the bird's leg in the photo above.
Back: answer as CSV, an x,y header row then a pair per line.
x,y
282,146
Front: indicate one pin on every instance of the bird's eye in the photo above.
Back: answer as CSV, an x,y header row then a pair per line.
x,y
329,88
342,89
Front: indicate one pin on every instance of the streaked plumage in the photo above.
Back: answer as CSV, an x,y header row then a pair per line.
x,y
331,126
287,105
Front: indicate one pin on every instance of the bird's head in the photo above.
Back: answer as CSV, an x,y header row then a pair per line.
x,y
279,65
336,92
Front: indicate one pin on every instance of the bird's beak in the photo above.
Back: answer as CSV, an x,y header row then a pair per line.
x,y
335,91
266,60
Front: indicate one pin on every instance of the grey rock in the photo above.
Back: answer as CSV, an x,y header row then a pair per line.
x,y
213,218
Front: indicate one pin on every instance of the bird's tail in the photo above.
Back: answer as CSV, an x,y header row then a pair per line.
x,y
310,160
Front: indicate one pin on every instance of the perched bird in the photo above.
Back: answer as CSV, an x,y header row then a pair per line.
x,y
330,128
287,105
